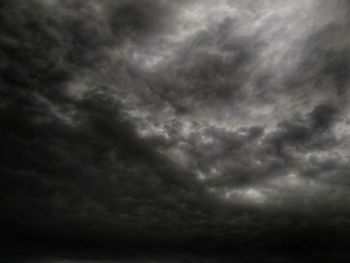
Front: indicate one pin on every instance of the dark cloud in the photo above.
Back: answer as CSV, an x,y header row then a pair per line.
x,y
211,68
138,19
304,131
64,158
174,124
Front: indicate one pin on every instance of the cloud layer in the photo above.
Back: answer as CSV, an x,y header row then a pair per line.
x,y
175,119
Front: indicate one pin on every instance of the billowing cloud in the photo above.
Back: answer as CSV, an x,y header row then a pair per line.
x,y
175,121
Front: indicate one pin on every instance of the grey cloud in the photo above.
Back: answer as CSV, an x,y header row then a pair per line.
x,y
137,19
95,165
304,131
172,136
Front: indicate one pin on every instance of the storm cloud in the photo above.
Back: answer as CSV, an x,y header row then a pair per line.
x,y
173,123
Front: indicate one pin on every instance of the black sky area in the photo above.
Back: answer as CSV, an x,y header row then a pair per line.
x,y
175,131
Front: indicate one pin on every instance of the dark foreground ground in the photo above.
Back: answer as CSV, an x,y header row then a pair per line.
x,y
166,255
53,249
180,258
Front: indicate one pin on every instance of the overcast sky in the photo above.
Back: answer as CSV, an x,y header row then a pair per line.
x,y
221,123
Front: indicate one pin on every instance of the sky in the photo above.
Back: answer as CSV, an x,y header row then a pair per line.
x,y
200,124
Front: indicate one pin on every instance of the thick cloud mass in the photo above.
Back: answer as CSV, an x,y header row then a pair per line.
x,y
176,121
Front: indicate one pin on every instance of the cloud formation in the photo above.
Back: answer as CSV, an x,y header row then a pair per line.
x,y
175,120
